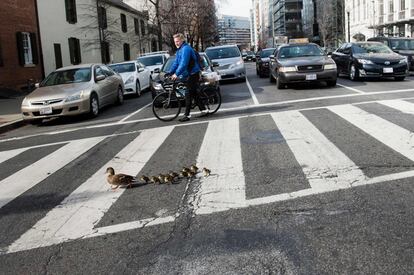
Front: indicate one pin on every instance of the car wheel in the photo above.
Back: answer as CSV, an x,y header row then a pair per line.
x,y
94,105
271,78
353,73
331,83
137,89
279,84
120,96
399,78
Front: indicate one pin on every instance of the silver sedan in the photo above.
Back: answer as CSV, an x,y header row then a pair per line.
x,y
73,90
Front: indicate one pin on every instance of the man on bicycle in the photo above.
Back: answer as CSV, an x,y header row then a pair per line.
x,y
186,71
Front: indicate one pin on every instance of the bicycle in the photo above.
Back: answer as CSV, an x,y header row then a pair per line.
x,y
166,106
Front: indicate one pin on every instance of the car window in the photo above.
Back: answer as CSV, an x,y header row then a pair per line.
x,y
99,71
168,64
402,44
300,51
347,49
123,68
370,48
266,53
67,76
220,53
205,62
151,60
107,71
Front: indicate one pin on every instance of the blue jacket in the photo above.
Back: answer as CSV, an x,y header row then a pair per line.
x,y
182,59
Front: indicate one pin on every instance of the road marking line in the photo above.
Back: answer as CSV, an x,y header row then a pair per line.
x,y
134,113
23,180
393,136
352,89
5,155
225,188
77,215
324,165
255,101
400,105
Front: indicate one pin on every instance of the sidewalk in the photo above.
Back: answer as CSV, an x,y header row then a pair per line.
x,y
10,116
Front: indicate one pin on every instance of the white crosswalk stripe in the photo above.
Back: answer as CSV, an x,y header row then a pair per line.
x,y
325,166
77,215
23,180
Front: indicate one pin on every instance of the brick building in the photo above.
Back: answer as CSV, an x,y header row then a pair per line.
x,y
20,55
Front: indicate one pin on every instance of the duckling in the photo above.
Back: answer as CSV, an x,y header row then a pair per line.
x,y
191,174
185,169
173,174
168,179
145,179
193,168
118,179
206,172
154,179
161,178
184,174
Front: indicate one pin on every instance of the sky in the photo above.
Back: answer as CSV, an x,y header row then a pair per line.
x,y
235,7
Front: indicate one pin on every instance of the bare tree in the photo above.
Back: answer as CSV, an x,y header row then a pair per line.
x,y
330,21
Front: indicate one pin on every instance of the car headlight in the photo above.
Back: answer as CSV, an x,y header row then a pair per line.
x,y
330,67
365,61
74,97
287,69
157,86
25,102
237,64
404,61
130,79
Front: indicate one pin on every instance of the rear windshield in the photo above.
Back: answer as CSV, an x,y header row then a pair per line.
x,y
123,68
402,44
299,51
221,53
266,53
151,60
67,77
370,48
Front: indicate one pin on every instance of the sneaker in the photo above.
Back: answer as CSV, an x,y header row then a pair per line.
x,y
184,118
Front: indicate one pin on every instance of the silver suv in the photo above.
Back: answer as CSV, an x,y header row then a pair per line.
x,y
228,60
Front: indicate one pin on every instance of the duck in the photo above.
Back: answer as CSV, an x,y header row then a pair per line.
x,y
145,179
194,168
118,180
184,174
185,169
154,179
191,174
161,178
168,179
206,172
173,174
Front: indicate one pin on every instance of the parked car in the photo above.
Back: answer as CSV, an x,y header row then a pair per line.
x,y
73,90
229,61
263,61
250,56
135,75
154,60
369,59
210,78
401,45
304,62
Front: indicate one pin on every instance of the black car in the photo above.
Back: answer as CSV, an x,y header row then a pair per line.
x,y
301,62
401,45
263,61
209,77
369,59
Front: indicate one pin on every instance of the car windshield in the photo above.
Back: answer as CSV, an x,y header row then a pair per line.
x,y
266,53
402,44
299,51
250,53
168,64
151,60
221,53
370,48
123,68
67,77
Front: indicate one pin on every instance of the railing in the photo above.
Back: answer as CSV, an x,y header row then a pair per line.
x,y
401,15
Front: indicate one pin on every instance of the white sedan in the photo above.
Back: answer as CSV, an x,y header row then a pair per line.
x,y
135,75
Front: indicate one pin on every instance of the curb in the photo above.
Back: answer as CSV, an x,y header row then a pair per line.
x,y
11,125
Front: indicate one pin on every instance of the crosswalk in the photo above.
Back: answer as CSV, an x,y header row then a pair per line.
x,y
324,165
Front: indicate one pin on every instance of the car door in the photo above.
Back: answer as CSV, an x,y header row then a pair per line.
x,y
337,57
113,83
143,75
103,86
347,58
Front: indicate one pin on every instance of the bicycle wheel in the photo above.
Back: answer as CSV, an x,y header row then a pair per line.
x,y
212,99
166,107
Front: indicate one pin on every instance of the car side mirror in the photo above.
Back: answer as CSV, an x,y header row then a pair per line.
x,y
140,70
216,64
272,57
100,77
157,70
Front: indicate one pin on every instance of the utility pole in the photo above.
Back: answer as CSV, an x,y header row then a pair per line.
x,y
349,28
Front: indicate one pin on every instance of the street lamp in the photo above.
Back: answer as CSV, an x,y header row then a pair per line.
x,y
349,28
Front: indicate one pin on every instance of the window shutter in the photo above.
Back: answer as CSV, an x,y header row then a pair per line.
x,y
127,53
102,18
71,16
20,49
78,52
33,42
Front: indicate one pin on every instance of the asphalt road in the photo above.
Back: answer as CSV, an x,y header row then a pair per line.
x,y
305,180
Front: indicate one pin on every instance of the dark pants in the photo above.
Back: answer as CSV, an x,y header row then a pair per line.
x,y
192,85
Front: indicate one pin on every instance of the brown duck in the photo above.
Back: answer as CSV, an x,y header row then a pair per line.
x,y
117,180
194,168
206,172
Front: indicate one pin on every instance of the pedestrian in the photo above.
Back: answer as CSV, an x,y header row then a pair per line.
x,y
186,67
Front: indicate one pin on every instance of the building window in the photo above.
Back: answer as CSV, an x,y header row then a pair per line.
x,y
127,54
391,6
142,27
123,23
74,51
106,58
70,6
103,23
26,48
402,5
58,55
136,26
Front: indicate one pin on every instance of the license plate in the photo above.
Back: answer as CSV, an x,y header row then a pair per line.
x,y
46,110
311,77
388,70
